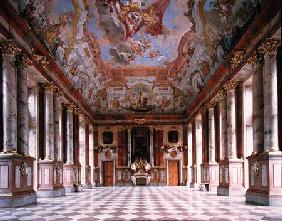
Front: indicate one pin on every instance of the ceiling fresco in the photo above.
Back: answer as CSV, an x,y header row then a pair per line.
x,y
150,55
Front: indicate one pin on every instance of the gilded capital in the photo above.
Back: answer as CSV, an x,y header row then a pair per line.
x,y
270,47
230,85
211,104
237,58
41,60
10,47
69,107
50,87
255,59
25,62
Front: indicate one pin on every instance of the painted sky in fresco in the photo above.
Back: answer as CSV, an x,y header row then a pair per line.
x,y
166,45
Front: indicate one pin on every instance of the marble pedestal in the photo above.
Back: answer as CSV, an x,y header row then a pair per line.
x,y
213,177
265,179
16,180
50,182
231,182
71,176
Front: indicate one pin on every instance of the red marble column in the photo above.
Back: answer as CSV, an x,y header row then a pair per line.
x,y
16,166
265,167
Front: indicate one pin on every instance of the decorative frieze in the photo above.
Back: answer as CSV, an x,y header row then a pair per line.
x,y
230,85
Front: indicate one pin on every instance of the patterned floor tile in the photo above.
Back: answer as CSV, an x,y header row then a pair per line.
x,y
142,203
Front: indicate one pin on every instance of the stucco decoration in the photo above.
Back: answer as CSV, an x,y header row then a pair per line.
x,y
184,41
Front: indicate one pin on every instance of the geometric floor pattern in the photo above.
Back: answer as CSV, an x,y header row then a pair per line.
x,y
142,203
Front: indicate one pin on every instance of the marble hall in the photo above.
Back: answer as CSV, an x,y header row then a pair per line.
x,y
140,110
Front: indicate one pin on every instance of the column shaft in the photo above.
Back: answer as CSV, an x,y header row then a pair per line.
x,y
129,147
223,129
199,147
152,146
9,103
211,136
69,135
22,116
49,122
231,124
258,127
270,104
58,138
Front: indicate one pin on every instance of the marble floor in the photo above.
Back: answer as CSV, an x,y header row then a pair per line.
x,y
142,203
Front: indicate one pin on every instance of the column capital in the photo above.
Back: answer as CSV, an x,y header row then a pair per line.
x,y
50,87
9,47
69,107
255,59
25,62
210,105
270,47
237,58
41,60
230,85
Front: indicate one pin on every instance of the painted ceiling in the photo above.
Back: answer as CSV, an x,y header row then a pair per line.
x,y
150,55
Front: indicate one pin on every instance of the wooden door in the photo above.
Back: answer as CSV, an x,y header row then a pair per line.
x,y
173,172
108,173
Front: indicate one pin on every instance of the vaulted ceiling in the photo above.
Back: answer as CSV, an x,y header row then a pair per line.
x,y
156,54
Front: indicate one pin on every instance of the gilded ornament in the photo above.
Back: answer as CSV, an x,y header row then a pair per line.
x,y
270,46
256,168
237,58
50,87
230,85
25,62
255,59
24,169
9,47
69,107
41,60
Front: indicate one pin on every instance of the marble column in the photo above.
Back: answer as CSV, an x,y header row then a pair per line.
x,y
22,107
258,104
197,166
49,121
265,168
50,171
70,170
91,154
190,163
33,129
58,141
231,120
129,147
87,166
16,180
213,168
270,98
152,146
231,181
211,136
223,129
82,147
9,51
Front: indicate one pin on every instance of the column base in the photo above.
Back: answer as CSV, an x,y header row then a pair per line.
x,y
49,193
263,198
50,179
230,191
16,180
231,178
265,179
213,177
23,199
195,186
